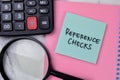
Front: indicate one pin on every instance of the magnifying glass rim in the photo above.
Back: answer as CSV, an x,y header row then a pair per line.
x,y
10,43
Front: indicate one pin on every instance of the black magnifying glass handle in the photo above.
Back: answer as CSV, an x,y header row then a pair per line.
x,y
64,76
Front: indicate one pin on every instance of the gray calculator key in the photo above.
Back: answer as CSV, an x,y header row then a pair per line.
x,y
43,10
44,22
6,17
5,0
6,7
18,6
19,16
19,26
31,3
31,11
6,27
43,2
18,0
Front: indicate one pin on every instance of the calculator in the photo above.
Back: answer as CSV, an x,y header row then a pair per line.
x,y
26,17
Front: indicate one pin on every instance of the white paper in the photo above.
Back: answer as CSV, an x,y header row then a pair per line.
x,y
91,1
112,2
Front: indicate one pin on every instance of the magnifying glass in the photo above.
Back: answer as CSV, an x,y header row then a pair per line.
x,y
28,59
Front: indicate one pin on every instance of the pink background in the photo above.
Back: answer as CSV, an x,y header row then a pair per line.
x,y
106,65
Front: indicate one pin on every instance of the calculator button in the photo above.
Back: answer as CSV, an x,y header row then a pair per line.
x,y
43,2
5,0
6,7
6,26
19,26
32,23
44,22
18,0
43,10
18,6
31,3
6,17
31,11
19,16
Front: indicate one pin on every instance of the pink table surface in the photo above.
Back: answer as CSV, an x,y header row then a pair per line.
x,y
106,66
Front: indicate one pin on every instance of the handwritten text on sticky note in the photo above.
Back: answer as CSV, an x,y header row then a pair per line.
x,y
81,38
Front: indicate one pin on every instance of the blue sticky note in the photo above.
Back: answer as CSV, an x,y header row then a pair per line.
x,y
81,38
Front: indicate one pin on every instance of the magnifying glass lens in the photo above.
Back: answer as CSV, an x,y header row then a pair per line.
x,y
25,60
